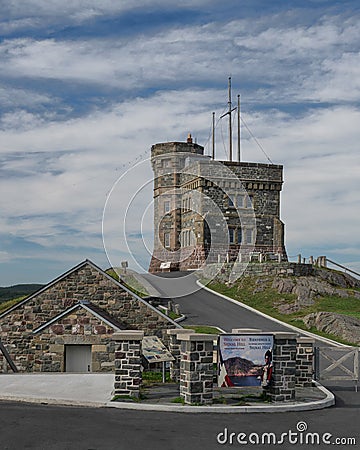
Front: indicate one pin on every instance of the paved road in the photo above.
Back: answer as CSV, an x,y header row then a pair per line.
x,y
41,427
201,307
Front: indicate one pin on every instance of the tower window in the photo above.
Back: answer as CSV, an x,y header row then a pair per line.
x,y
231,235
240,201
231,200
249,201
167,240
166,206
249,236
239,235
166,162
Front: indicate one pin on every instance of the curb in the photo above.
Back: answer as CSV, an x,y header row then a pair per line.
x,y
52,401
259,313
326,402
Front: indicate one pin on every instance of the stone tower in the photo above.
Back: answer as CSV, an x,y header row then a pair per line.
x,y
208,211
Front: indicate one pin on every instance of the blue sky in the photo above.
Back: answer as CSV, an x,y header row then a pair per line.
x,y
86,87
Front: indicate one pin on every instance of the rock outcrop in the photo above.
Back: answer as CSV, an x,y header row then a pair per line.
x,y
308,288
345,327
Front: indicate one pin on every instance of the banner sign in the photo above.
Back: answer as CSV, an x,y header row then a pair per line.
x,y
245,359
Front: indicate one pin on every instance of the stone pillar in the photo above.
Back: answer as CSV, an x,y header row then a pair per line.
x,y
128,362
174,348
196,368
304,362
282,387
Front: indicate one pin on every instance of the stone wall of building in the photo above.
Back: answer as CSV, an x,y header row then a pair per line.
x,y
39,352
208,199
47,348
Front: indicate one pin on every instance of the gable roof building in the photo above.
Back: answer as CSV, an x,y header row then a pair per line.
x,y
67,325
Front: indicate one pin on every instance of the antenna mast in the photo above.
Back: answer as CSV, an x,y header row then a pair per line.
x,y
238,124
230,110
230,127
213,135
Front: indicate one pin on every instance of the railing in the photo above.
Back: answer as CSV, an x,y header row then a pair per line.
x,y
343,267
337,364
8,357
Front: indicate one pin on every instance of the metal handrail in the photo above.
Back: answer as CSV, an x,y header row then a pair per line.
x,y
343,267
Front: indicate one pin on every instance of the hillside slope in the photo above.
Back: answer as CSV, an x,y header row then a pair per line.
x,y
18,290
326,302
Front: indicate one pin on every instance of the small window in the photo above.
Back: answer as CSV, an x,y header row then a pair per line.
x,y
167,240
166,206
239,236
231,201
249,201
240,201
231,235
249,236
166,162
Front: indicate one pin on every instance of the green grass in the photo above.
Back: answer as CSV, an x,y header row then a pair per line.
x,y
180,400
130,282
7,305
151,377
173,315
204,329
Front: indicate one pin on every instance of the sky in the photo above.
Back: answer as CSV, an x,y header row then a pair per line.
x,y
86,87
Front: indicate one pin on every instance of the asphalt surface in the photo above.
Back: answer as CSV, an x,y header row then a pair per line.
x,y
48,427
202,307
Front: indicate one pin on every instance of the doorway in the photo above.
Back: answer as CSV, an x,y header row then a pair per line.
x,y
78,358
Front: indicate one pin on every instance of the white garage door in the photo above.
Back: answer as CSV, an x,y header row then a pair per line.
x,y
78,358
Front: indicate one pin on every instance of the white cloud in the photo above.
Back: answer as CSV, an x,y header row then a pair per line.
x,y
317,63
57,170
34,13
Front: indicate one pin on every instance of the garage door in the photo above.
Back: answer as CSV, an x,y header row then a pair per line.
x,y
78,358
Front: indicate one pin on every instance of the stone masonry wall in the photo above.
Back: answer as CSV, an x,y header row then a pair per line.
x,y
282,387
85,283
128,363
81,328
196,368
304,362
222,271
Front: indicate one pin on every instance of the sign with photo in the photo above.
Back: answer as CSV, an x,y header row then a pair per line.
x,y
245,359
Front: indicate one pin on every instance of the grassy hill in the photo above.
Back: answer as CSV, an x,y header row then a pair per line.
x,y
294,298
18,290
